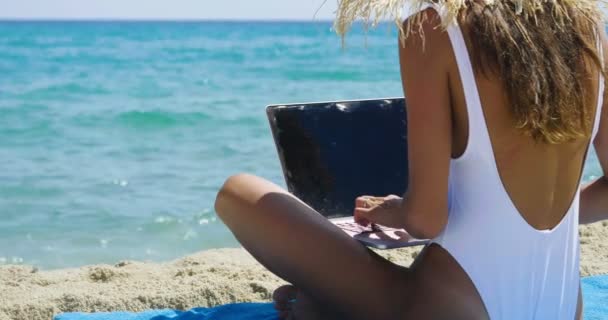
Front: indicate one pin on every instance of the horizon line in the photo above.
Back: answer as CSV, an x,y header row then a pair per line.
x,y
129,19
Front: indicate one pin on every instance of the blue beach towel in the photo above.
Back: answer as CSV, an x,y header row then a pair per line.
x,y
595,290
241,311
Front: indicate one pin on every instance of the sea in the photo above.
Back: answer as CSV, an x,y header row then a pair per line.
x,y
115,136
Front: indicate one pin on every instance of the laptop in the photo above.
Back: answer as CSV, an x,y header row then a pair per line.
x,y
333,152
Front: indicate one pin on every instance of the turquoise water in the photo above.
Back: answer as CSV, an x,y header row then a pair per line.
x,y
115,136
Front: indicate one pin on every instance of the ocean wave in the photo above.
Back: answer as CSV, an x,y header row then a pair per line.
x,y
63,91
30,191
325,75
160,119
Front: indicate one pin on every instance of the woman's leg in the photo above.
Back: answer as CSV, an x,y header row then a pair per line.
x,y
292,303
296,243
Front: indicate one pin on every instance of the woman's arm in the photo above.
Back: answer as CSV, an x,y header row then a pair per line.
x,y
423,210
424,73
594,201
594,197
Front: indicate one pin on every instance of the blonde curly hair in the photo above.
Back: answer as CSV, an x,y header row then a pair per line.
x,y
545,52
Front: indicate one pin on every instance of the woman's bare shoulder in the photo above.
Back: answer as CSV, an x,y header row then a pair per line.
x,y
425,35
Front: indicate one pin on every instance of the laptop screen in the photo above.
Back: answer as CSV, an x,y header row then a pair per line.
x,y
333,152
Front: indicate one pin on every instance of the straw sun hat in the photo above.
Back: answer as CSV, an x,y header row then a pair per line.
x,y
374,11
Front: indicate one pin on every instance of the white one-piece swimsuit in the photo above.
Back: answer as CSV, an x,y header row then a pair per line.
x,y
520,272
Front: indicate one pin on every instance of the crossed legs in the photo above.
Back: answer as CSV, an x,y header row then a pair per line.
x,y
296,243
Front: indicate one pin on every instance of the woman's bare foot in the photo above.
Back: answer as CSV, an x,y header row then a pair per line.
x,y
293,304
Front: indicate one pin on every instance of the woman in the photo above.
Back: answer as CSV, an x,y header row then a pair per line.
x,y
497,144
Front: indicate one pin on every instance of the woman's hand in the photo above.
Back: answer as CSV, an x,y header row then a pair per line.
x,y
387,211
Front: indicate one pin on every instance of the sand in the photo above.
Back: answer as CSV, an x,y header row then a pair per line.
x,y
204,279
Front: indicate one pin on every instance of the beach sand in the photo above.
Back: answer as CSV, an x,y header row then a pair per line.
x,y
204,279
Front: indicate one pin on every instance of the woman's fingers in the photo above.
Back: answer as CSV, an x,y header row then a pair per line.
x,y
364,208
368,201
363,216
362,212
361,202
382,210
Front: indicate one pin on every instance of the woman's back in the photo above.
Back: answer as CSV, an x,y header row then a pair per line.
x,y
514,199
541,179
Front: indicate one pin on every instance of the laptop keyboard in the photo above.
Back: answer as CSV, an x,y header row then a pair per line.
x,y
357,228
